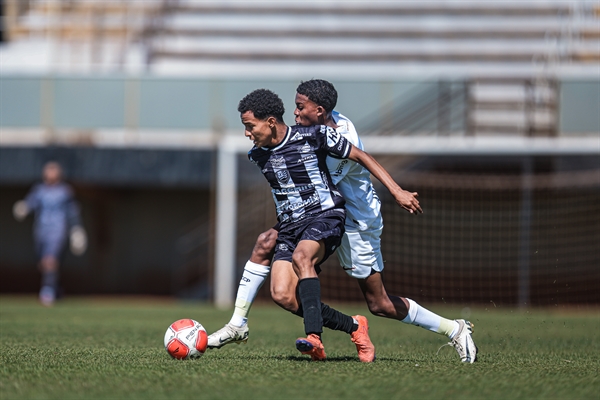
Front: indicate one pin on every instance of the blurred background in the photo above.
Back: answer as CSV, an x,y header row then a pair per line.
x,y
489,109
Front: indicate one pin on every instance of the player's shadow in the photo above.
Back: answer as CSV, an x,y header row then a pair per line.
x,y
339,359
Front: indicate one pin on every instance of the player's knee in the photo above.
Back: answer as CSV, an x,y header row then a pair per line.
x,y
301,260
49,264
379,306
284,299
376,308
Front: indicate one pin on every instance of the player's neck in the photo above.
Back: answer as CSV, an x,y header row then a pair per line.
x,y
279,132
330,122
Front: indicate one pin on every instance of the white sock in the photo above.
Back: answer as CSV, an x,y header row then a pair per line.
x,y
252,280
420,316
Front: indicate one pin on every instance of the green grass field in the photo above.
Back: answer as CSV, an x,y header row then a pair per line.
x,y
91,348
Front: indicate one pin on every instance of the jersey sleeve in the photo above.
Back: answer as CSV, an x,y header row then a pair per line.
x,y
33,198
337,145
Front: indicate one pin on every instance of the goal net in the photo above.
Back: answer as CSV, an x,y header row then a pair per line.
x,y
493,235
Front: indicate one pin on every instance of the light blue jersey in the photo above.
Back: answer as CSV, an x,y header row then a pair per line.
x,y
55,212
354,182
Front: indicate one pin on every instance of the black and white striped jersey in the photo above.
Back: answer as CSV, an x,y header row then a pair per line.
x,y
297,171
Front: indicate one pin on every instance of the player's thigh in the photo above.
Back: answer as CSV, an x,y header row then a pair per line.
x,y
310,251
360,253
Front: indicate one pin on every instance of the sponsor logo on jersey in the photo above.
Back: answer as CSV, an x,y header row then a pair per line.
x,y
293,190
340,167
307,158
282,247
277,162
332,138
300,136
325,180
305,149
286,206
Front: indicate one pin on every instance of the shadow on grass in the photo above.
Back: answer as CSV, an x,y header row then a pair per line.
x,y
342,359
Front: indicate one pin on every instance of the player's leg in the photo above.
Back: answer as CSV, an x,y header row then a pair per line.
x,y
255,272
305,257
49,246
49,270
360,255
284,284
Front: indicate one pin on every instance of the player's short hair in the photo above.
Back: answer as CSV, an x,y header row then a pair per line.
x,y
263,103
319,91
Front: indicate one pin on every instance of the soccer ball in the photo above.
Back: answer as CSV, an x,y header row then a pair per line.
x,y
186,339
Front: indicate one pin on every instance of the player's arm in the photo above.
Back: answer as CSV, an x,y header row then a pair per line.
x,y
23,207
407,200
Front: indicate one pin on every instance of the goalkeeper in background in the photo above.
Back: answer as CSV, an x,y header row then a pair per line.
x,y
56,216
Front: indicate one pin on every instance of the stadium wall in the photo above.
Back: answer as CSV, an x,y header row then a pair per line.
x,y
116,103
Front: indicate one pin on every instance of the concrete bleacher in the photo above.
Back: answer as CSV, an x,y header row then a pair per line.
x,y
474,36
349,37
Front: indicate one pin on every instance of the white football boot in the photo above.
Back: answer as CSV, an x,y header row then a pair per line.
x,y
463,342
228,334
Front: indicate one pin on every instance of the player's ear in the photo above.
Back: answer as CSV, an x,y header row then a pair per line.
x,y
272,121
320,111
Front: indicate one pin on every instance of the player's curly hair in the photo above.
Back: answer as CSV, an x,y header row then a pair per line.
x,y
319,91
263,103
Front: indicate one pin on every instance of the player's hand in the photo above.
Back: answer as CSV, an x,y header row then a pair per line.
x,y
20,210
408,201
78,240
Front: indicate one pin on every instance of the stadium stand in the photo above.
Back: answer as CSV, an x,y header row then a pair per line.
x,y
378,31
172,35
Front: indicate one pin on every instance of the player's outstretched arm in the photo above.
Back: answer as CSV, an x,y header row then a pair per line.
x,y
407,200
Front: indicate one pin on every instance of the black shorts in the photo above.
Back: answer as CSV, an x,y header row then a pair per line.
x,y
327,226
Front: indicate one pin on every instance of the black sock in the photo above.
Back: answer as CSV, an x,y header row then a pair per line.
x,y
309,291
334,319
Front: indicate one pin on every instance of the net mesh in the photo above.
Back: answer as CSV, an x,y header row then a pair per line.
x,y
484,237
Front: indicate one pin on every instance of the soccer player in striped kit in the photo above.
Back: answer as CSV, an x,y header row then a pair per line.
x,y
359,254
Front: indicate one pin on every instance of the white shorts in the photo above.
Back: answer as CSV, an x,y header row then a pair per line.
x,y
360,252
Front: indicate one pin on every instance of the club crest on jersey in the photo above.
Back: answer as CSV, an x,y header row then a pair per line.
x,y
282,176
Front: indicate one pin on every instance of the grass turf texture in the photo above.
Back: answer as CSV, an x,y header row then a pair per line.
x,y
111,349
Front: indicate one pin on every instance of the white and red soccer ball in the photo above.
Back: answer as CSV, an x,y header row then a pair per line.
x,y
186,339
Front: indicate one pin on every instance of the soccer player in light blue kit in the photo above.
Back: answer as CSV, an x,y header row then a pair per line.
x,y
359,253
56,218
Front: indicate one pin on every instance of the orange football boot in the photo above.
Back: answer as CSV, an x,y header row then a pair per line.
x,y
360,337
312,346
